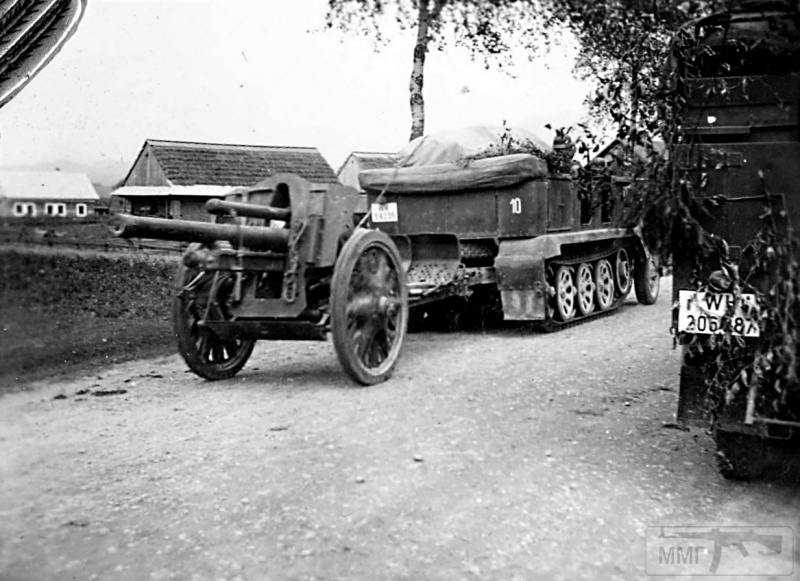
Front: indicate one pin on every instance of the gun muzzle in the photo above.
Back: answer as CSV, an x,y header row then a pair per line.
x,y
253,237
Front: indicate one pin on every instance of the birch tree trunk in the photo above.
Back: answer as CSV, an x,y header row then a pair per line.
x,y
416,100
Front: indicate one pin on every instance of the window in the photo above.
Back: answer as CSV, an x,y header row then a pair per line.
x,y
24,209
55,210
280,199
80,210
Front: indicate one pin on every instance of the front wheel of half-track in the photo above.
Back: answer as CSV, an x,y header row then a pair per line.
x,y
646,280
368,306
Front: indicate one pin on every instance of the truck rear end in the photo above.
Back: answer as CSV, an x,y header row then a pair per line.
x,y
738,163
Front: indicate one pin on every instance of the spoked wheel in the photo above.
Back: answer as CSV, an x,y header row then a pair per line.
x,y
623,273
204,296
604,283
566,293
585,289
646,280
369,306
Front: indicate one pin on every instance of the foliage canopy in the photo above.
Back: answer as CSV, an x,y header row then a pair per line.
x,y
488,30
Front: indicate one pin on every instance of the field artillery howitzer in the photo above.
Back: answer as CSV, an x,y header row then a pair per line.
x,y
283,261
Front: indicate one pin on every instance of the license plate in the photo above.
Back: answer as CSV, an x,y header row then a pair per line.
x,y
384,212
702,312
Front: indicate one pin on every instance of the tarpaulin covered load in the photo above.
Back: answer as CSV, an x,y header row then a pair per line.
x,y
461,159
455,145
491,172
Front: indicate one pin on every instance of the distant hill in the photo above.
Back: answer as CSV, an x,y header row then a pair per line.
x,y
101,173
103,190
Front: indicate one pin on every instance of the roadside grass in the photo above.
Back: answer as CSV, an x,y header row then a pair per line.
x,y
65,312
42,229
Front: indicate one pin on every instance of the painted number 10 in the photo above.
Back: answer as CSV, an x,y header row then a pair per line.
x,y
516,205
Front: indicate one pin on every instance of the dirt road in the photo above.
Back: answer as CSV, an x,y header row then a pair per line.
x,y
506,455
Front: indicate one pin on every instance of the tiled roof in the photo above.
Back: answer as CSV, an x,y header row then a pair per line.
x,y
187,163
46,185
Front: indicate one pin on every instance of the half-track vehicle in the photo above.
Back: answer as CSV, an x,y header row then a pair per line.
x,y
506,228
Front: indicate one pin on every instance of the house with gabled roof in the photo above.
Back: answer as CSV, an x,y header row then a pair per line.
x,y
175,178
361,160
49,194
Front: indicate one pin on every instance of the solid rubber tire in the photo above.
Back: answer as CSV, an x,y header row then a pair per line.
x,y
645,293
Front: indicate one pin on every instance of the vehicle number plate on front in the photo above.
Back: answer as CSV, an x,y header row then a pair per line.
x,y
384,212
702,312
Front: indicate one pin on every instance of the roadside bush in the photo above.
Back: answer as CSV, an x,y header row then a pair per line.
x,y
109,286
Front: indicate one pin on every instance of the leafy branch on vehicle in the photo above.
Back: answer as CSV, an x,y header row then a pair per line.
x,y
622,44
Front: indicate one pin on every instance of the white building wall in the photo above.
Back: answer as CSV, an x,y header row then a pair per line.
x,y
348,174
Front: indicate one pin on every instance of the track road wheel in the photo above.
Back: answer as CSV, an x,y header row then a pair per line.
x,y
369,306
622,273
585,285
740,456
646,280
566,293
199,295
604,283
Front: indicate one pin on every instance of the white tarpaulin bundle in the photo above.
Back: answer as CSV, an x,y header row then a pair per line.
x,y
461,159
455,145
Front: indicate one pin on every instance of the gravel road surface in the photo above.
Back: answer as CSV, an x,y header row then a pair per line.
x,y
504,455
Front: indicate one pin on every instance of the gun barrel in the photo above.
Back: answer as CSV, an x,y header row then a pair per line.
x,y
254,237
217,206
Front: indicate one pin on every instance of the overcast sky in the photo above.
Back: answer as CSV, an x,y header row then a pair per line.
x,y
250,71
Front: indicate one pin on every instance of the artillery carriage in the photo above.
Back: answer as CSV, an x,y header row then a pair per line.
x,y
285,259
